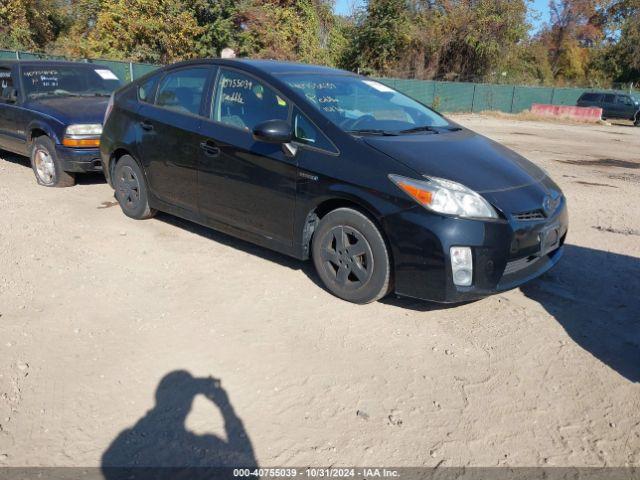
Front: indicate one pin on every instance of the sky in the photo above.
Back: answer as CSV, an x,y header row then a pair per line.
x,y
541,8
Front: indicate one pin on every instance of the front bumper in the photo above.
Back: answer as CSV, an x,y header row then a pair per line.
x,y
79,160
506,254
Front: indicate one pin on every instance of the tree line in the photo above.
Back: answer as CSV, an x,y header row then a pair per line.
x,y
585,42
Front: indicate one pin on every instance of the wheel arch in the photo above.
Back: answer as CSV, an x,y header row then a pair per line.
x,y
116,155
327,205
40,129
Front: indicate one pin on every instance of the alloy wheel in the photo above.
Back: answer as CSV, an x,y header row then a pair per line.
x,y
347,257
45,168
128,188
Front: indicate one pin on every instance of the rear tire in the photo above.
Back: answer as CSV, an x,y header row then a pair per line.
x,y
636,122
351,256
131,189
47,166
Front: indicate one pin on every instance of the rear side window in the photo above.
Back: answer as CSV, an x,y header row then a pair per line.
x,y
609,98
590,97
624,100
6,82
243,101
182,90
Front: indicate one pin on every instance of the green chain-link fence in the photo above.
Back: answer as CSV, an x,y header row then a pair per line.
x,y
478,97
443,96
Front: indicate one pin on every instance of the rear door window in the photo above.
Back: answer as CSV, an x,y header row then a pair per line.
x,y
6,82
182,90
243,101
608,98
624,100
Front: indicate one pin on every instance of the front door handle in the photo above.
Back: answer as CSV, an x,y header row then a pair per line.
x,y
146,125
209,149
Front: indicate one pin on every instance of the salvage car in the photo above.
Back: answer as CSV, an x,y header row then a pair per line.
x,y
382,192
52,112
619,106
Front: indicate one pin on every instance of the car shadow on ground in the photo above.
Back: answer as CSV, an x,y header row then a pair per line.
x,y
15,158
595,296
160,438
230,241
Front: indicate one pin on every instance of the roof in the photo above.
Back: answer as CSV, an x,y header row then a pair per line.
x,y
35,63
273,66
269,66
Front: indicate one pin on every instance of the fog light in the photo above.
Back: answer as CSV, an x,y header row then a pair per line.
x,y
461,265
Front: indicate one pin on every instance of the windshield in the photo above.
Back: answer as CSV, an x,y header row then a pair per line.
x,y
358,104
68,80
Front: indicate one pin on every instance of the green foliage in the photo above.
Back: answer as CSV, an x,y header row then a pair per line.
x,y
306,31
587,42
29,24
381,36
622,59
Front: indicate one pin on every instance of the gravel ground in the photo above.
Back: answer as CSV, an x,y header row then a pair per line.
x,y
110,330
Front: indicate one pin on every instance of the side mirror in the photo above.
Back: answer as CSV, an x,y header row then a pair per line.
x,y
273,131
10,95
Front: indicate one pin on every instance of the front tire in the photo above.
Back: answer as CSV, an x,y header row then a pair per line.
x,y
131,189
636,122
47,166
351,256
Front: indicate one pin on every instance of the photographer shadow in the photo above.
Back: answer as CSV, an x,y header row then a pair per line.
x,y
160,446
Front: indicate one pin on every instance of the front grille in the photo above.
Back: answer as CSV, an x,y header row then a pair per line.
x,y
517,265
529,216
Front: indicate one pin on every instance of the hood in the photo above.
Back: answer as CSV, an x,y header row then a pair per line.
x,y
462,156
71,110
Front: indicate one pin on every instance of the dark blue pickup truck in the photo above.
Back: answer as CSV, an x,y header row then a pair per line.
x,y
53,113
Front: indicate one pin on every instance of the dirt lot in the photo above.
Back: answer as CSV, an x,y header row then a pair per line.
x,y
97,309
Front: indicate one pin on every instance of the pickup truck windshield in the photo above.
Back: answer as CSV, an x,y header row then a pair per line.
x,y
68,80
365,106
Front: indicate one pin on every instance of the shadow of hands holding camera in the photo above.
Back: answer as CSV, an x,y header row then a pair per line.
x,y
160,438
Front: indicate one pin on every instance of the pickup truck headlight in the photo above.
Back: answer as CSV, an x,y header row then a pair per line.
x,y
82,135
446,197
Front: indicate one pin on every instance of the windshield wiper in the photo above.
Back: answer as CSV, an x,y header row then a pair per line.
x,y
374,131
49,94
422,128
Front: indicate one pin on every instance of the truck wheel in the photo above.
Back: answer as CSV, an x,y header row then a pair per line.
x,y
131,189
46,165
351,256
637,121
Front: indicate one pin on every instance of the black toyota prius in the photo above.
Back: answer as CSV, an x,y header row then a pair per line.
x,y
382,192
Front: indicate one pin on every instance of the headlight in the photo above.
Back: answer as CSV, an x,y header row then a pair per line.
x,y
446,197
83,135
93,129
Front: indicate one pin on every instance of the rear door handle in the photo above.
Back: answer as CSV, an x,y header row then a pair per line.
x,y
209,149
146,125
